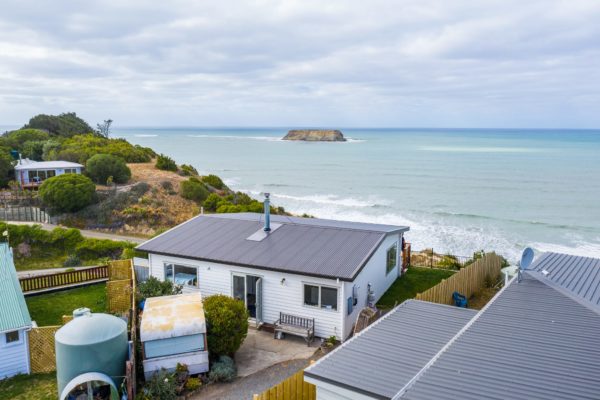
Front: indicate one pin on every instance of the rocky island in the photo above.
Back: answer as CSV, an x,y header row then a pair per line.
x,y
315,135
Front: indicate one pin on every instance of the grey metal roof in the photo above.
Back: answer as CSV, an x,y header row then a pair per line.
x,y
307,246
13,309
383,358
532,342
580,276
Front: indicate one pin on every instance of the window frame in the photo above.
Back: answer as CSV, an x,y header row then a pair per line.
x,y
389,269
319,305
174,265
13,342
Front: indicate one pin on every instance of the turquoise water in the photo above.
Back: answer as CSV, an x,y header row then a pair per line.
x,y
459,190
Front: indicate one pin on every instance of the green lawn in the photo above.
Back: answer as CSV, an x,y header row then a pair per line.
x,y
25,387
416,280
48,309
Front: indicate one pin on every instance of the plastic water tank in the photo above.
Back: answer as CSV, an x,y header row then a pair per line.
x,y
91,343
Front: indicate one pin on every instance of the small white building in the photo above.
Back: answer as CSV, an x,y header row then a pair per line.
x,y
15,321
31,173
172,331
312,268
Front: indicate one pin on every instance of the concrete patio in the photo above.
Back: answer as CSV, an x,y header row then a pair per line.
x,y
260,350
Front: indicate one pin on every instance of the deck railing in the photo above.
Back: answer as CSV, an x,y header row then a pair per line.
x,y
41,282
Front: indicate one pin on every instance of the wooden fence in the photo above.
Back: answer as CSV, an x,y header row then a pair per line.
x,y
467,281
119,288
293,388
41,349
40,282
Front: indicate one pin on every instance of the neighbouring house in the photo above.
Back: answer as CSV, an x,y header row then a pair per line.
x,y
15,321
29,173
538,338
172,331
313,268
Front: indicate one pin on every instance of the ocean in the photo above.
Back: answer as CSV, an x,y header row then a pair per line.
x,y
459,190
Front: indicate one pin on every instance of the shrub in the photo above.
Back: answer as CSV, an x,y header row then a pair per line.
x,y
223,370
6,168
102,166
227,324
90,249
213,181
80,148
68,192
165,163
449,261
17,139
193,384
66,124
153,287
72,261
211,202
193,189
161,386
33,149
167,185
188,170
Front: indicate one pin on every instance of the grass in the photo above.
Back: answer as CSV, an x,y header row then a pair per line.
x,y
48,309
416,280
24,387
32,263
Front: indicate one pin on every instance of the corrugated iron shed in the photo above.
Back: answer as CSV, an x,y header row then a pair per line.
x,y
13,309
307,246
383,358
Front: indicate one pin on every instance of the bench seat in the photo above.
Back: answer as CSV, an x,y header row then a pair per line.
x,y
295,325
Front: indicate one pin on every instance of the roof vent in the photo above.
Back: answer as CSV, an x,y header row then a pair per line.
x,y
267,227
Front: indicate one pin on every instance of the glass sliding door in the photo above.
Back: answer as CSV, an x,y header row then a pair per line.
x,y
239,287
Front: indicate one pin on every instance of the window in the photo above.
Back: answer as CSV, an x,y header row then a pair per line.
x,y
320,296
70,171
12,337
181,274
392,258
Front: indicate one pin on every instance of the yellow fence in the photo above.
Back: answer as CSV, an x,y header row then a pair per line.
x,y
119,288
293,388
119,270
467,281
41,349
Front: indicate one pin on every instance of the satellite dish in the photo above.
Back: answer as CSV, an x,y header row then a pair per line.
x,y
527,257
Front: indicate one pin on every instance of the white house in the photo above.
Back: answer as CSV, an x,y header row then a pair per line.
x,y
14,319
313,268
32,173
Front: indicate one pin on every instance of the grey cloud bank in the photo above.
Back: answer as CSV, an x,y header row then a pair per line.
x,y
309,63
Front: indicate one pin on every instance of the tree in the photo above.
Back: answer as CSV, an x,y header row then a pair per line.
x,y
66,124
67,192
33,149
6,167
193,189
153,287
102,166
226,323
104,128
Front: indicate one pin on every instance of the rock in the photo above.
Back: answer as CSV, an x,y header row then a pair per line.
x,y
315,135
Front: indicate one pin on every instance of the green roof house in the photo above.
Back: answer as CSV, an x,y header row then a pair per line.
x,y
14,319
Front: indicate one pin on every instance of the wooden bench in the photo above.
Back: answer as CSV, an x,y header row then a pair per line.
x,y
295,325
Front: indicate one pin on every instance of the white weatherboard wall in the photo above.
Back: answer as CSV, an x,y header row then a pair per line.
x,y
215,278
14,357
327,391
374,273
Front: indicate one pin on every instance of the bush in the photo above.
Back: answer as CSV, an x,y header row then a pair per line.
x,y
223,370
167,185
211,202
166,163
17,139
91,249
213,181
227,324
101,166
188,170
7,171
33,149
66,124
156,288
193,189
80,148
193,384
68,192
72,261
161,386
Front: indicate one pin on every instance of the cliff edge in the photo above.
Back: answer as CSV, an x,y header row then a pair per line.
x,y
315,135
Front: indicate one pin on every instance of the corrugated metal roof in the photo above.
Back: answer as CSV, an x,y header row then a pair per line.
x,y
172,316
306,246
29,164
532,342
382,359
13,309
578,275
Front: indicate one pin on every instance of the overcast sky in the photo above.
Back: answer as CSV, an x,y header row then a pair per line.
x,y
422,63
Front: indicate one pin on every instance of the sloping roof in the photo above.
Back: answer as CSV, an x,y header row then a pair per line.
x,y
532,342
306,246
172,316
29,164
383,358
580,276
13,310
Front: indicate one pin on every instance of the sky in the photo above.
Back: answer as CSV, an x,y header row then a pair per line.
x,y
422,63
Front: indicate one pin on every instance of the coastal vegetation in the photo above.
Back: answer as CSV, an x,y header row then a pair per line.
x,y
227,322
101,167
67,192
165,163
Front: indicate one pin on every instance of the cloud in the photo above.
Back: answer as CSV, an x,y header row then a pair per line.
x,y
337,63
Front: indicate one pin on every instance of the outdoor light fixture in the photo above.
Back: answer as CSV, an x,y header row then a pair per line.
x,y
282,281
